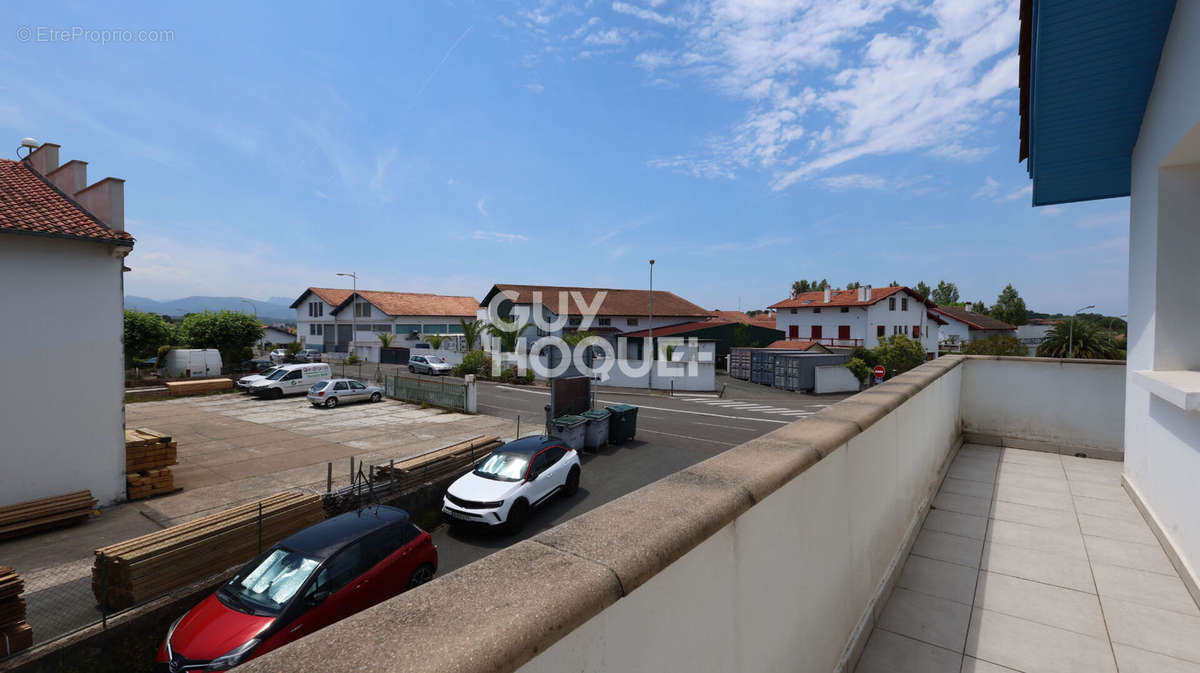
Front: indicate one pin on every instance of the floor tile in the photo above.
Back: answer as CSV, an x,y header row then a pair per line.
x,y
1039,566
1144,587
972,472
1080,474
1046,484
1153,629
976,489
963,504
1041,517
1133,660
1103,491
1035,497
1128,555
1112,509
1041,539
973,665
938,578
945,547
1035,648
888,652
1031,457
926,618
1048,471
955,523
1043,603
1117,529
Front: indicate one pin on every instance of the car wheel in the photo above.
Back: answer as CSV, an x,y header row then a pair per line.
x,y
571,486
277,393
518,514
375,397
331,403
421,575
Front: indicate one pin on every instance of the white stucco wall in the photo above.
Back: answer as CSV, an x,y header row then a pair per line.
x,y
862,321
783,586
1162,442
62,424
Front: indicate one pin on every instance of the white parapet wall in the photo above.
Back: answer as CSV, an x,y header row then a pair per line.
x,y
834,379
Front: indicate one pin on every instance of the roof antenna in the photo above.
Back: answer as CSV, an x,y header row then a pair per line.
x,y
29,144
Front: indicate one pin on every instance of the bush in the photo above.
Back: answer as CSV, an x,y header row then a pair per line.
x,y
864,354
230,332
145,333
477,363
997,345
353,360
899,354
291,349
508,375
434,340
528,376
162,356
859,368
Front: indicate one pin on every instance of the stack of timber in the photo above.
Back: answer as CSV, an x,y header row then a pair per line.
x,y
38,515
148,455
449,461
198,387
149,566
15,634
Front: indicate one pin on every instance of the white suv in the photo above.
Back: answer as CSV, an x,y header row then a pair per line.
x,y
511,482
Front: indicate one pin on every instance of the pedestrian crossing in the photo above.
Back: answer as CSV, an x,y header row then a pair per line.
x,y
735,405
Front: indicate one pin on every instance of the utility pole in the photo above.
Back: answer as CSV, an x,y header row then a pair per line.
x,y
650,338
354,312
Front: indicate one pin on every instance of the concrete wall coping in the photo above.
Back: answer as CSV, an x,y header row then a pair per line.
x,y
1044,361
497,613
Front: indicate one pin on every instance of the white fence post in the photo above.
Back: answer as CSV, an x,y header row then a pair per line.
x,y
472,396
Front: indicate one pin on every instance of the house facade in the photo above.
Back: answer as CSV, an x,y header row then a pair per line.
x,y
334,320
62,250
964,326
860,317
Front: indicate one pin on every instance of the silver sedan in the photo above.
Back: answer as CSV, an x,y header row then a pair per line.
x,y
333,392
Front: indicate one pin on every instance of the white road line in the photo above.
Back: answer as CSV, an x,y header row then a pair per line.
x,y
676,411
694,439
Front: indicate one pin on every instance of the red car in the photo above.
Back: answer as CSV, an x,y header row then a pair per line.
x,y
314,578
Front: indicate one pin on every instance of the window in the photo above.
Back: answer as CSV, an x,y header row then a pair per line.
x,y
879,332
817,310
362,309
903,303
292,375
540,463
355,385
631,322
898,329
341,385
378,546
845,309
793,331
381,327
916,331
341,569
554,454
793,311
316,309
574,320
454,328
816,332
315,329
407,328
843,331
891,303
605,322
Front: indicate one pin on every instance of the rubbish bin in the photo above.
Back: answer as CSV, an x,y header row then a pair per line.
x,y
622,425
572,430
597,428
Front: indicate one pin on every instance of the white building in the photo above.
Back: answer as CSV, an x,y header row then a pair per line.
x,y
329,319
274,335
62,246
964,326
860,317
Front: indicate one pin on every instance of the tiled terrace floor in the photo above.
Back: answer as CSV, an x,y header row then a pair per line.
x,y
1035,562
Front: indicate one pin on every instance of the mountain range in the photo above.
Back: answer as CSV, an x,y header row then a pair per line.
x,y
274,309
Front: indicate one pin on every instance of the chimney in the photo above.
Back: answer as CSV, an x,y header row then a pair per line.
x,y
71,177
826,295
106,201
45,158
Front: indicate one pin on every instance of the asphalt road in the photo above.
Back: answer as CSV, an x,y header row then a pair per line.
x,y
672,433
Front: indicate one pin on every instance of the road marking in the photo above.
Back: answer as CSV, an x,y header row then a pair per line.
x,y
694,439
676,411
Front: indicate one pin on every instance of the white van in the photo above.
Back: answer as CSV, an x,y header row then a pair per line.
x,y
291,379
199,362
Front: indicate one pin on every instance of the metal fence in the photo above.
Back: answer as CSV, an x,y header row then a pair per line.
x,y
441,391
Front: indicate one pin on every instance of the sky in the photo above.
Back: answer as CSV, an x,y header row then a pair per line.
x,y
444,146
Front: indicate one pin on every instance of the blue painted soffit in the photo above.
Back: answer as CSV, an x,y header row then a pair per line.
x,y
1087,68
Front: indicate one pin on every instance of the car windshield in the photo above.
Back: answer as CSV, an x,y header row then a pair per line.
x,y
269,585
269,371
318,386
435,359
504,466
277,374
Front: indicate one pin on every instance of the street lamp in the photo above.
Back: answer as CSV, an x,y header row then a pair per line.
x,y
1071,332
247,301
650,338
354,313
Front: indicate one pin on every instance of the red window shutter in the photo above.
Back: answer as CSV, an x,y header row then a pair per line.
x,y
793,331
843,331
816,332
916,331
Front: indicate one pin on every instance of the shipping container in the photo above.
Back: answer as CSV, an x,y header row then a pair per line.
x,y
798,372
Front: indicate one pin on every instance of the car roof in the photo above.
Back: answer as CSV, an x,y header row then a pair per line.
x,y
529,445
325,539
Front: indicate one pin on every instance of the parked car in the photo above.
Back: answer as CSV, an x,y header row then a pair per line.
x,y
310,580
289,379
278,355
429,364
307,355
515,479
333,392
258,365
246,382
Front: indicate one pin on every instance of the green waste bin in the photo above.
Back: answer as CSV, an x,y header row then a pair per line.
x,y
572,430
622,425
597,428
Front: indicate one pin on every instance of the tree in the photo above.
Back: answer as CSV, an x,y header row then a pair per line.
x,y
859,368
472,330
742,337
899,354
865,354
894,283
1000,344
1009,307
231,332
922,289
800,287
979,307
508,338
945,293
853,286
385,339
1089,341
144,333
434,340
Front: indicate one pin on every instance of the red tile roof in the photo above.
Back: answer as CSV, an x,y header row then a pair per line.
x,y
972,319
842,298
732,316
31,205
784,344
398,303
616,302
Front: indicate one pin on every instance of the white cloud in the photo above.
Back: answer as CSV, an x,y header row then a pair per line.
x,y
610,37
479,205
1051,211
535,87
697,167
855,181
320,194
644,14
1103,220
989,190
652,60
1027,190
499,236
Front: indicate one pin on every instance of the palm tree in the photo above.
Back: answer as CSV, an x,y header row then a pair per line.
x,y
508,338
472,330
1088,342
385,338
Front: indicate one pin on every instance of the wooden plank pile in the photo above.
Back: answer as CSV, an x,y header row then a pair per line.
x,y
15,633
148,455
39,515
198,386
449,461
137,570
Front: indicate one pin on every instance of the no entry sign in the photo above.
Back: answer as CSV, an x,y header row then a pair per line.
x,y
880,372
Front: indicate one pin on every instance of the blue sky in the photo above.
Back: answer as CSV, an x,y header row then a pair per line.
x,y
447,146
